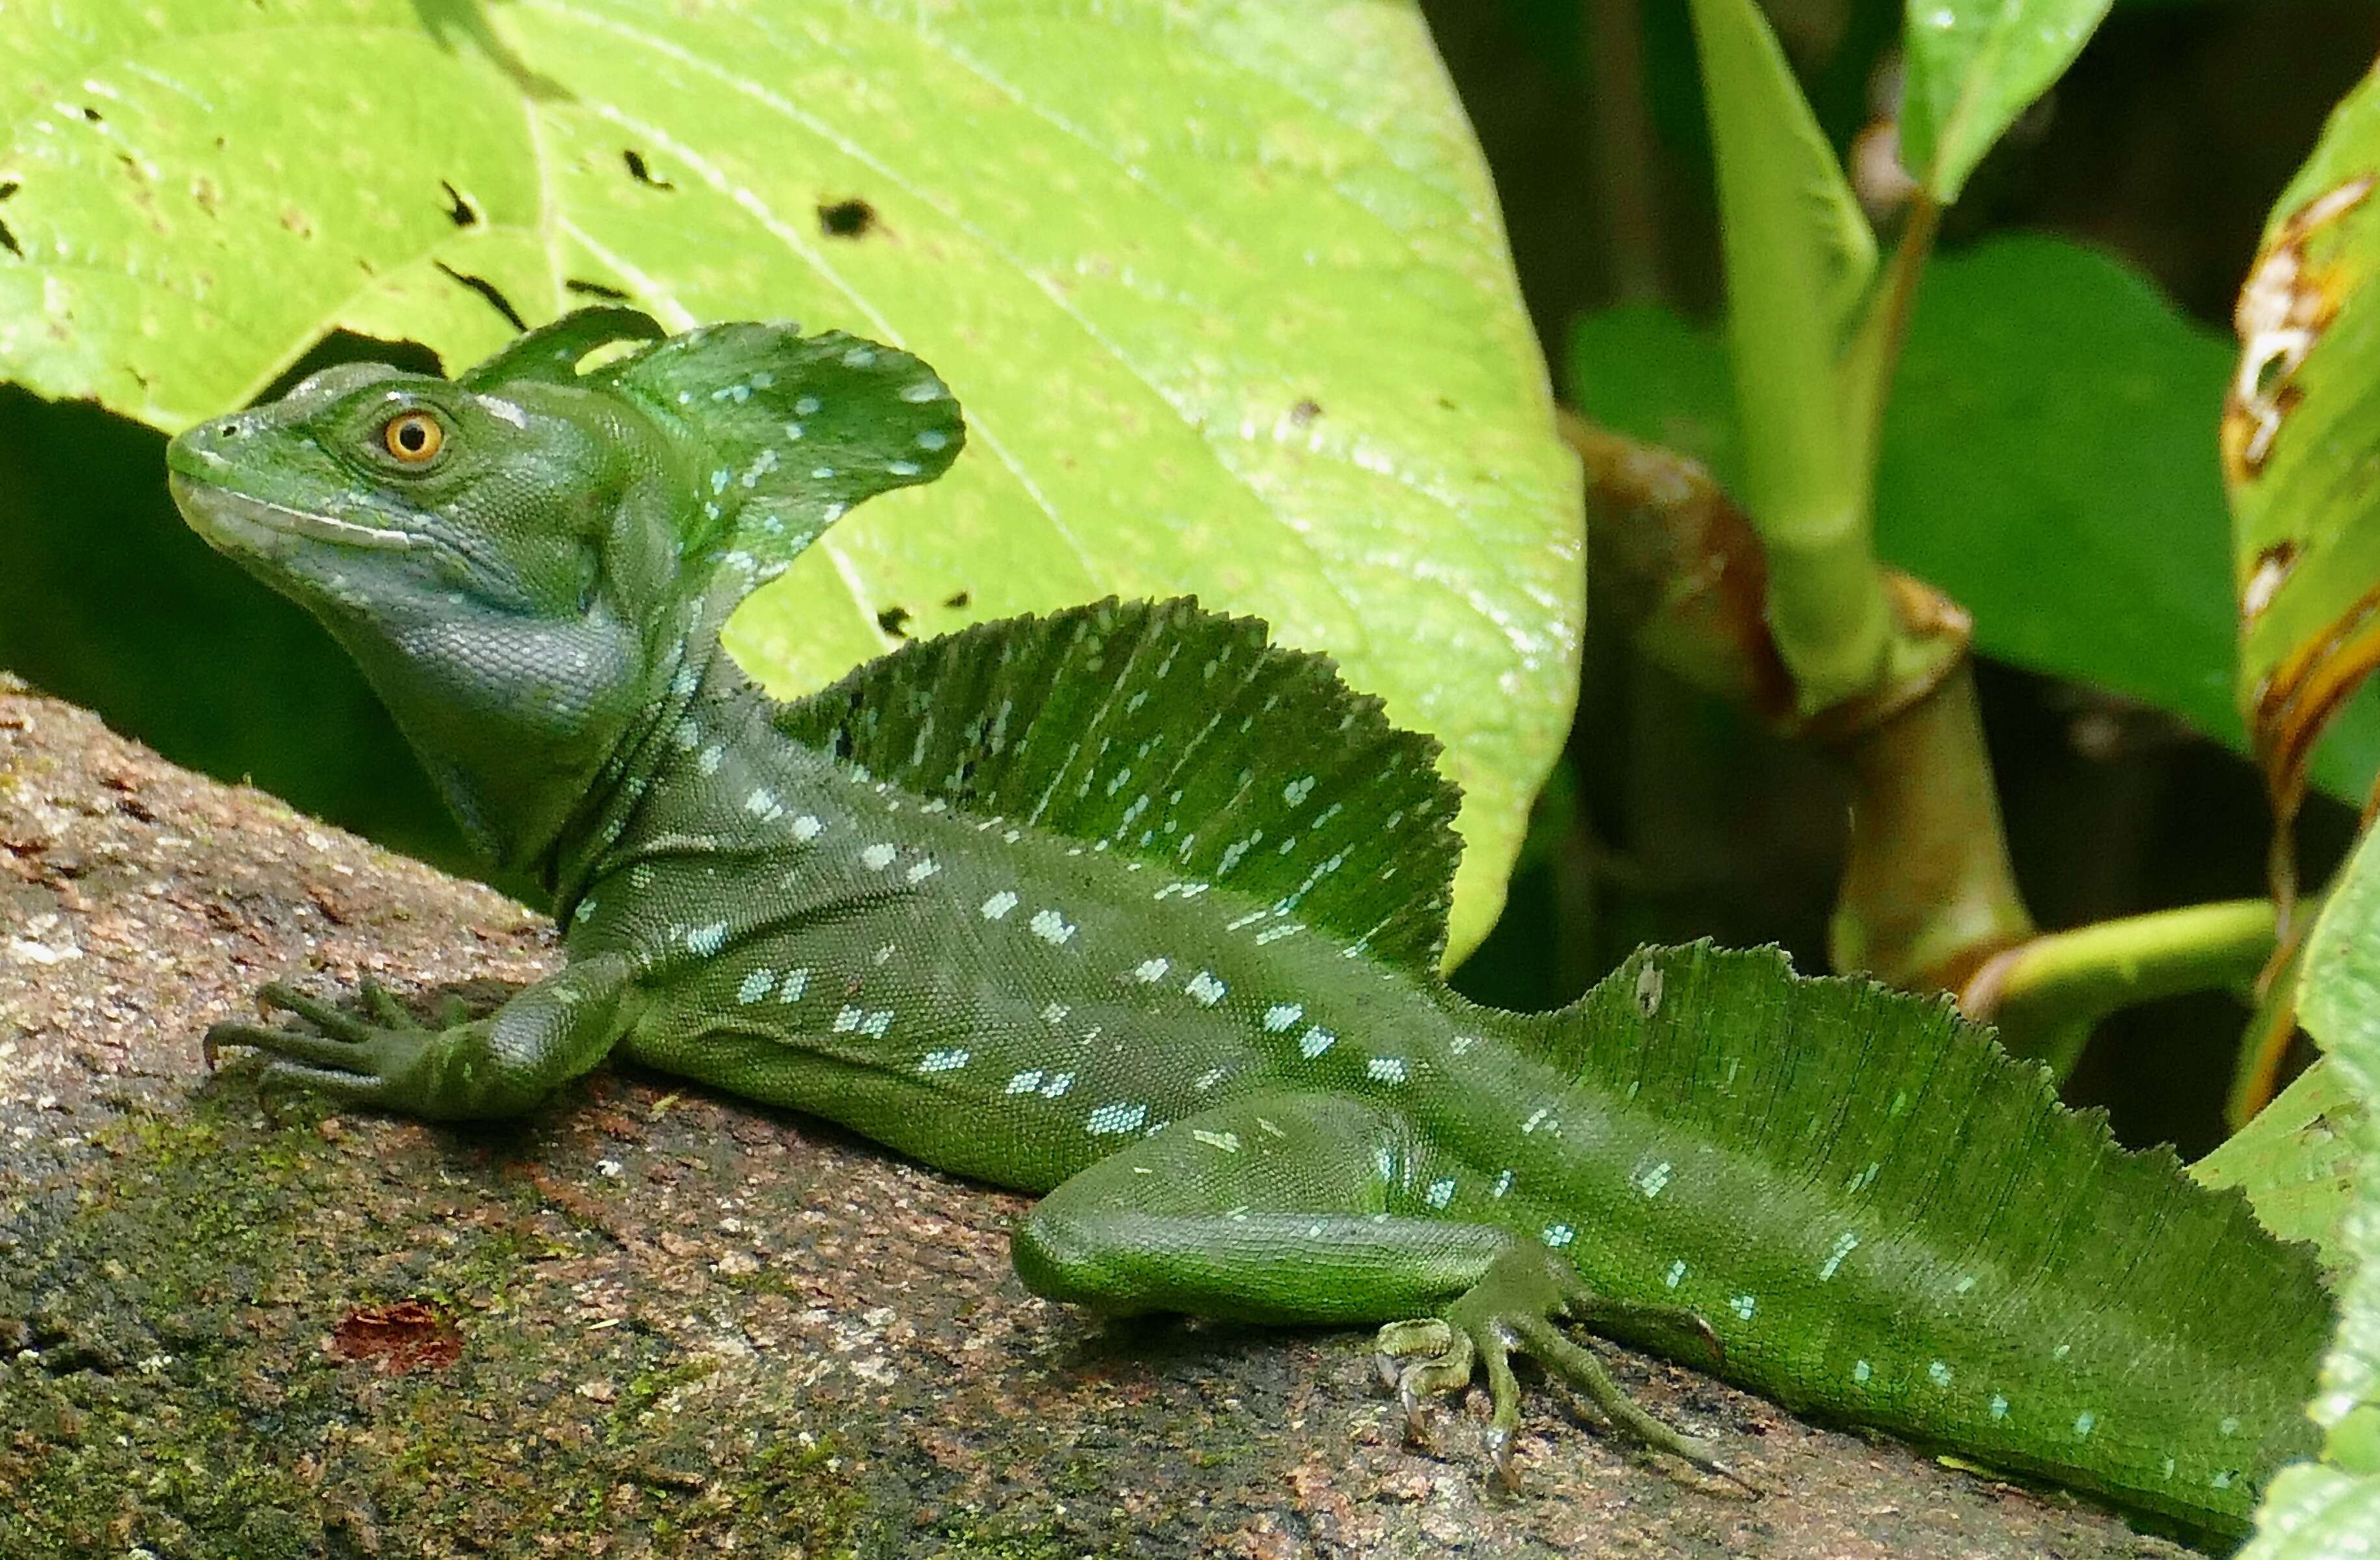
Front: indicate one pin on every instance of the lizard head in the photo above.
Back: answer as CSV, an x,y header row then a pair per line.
x,y
518,557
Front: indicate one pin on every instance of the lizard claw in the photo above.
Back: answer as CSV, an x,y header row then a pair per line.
x,y
1512,1308
356,1059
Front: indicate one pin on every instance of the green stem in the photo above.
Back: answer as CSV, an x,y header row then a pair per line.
x,y
2047,993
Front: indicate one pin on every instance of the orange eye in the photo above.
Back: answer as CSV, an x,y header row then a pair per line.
x,y
413,436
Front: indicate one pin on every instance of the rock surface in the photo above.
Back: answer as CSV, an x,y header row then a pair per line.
x,y
654,1320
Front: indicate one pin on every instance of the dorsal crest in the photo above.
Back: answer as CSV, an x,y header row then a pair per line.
x,y
1178,737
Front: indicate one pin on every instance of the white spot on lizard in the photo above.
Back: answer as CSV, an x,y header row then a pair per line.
x,y
1120,1117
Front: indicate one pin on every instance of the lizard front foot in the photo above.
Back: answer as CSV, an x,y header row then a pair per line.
x,y
1513,1308
389,1060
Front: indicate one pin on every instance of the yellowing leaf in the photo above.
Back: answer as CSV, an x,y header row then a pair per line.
x,y
2300,434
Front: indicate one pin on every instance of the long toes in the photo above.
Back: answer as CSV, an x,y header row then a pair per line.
x,y
344,1056
1582,1371
351,1088
1423,1336
381,1005
315,1011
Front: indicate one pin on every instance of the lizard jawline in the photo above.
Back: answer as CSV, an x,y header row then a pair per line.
x,y
228,510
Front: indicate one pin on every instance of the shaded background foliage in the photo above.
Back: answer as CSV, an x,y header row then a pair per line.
x,y
1673,818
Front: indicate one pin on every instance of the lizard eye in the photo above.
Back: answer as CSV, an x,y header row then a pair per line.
x,y
413,437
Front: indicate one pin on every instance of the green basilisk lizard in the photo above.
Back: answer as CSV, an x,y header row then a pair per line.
x,y
1124,906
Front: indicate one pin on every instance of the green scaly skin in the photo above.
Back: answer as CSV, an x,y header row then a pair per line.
x,y
1228,1120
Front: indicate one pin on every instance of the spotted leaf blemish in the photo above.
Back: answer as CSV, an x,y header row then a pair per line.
x,y
999,905
1204,989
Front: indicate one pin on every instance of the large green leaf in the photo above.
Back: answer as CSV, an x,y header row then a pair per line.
x,y
2334,1508
1970,67
2301,431
2045,459
2298,1159
1220,285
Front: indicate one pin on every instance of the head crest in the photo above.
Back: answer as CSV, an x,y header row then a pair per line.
x,y
789,431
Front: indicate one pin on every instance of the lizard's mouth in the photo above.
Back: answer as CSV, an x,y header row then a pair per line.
x,y
222,513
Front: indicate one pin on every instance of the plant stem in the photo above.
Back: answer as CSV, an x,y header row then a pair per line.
x,y
1623,163
2047,993
1927,892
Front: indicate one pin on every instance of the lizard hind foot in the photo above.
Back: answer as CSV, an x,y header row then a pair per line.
x,y
1515,1309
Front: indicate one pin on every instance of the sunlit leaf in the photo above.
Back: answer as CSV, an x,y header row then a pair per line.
x,y
1220,285
2297,1161
2300,433
1970,67
2333,1509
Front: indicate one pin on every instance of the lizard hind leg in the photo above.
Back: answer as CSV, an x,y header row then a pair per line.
x,y
1512,1308
1305,1208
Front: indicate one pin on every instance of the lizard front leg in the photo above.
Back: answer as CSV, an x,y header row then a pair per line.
x,y
1303,1208
498,1066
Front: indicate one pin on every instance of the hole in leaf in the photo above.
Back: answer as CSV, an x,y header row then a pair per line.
x,y
846,219
958,601
894,620
459,211
595,289
640,173
1305,412
489,290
